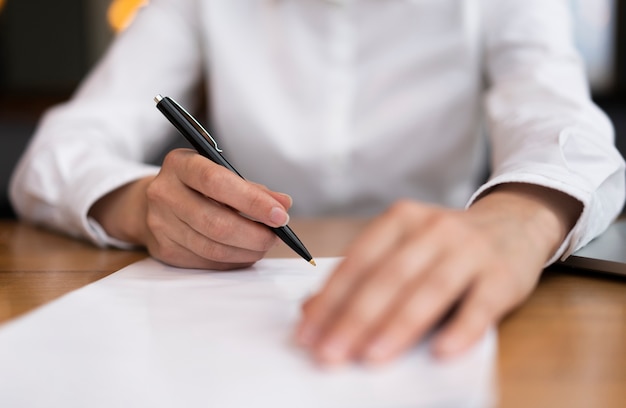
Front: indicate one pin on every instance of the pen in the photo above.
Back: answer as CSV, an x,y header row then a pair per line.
x,y
205,145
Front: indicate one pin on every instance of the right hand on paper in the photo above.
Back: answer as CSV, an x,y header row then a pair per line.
x,y
190,214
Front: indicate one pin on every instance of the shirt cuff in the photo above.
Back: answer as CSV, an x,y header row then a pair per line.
x,y
102,239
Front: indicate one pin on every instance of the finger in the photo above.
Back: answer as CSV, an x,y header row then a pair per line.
x,y
423,305
166,230
172,253
224,186
372,248
224,226
284,199
209,249
484,305
187,209
364,254
344,333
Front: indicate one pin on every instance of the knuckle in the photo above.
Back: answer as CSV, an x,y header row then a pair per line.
x,y
154,223
154,191
447,225
261,186
170,159
214,252
218,228
256,200
402,207
174,158
210,177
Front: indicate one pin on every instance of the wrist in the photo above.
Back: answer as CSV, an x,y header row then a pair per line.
x,y
122,212
545,216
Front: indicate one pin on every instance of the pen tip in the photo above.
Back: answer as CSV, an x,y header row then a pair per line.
x,y
158,98
312,262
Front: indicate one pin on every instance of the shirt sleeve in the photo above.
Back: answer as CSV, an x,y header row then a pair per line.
x,y
103,136
543,125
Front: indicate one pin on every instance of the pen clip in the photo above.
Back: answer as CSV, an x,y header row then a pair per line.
x,y
196,124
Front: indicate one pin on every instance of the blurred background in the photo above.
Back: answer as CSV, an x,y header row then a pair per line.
x,y
46,48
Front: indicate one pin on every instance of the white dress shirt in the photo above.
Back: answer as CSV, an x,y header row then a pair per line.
x,y
347,105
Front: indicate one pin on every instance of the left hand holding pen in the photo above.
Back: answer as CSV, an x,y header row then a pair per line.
x,y
416,263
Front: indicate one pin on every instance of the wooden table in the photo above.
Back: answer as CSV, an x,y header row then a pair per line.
x,y
565,347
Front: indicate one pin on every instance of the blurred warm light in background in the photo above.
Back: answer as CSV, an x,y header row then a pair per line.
x,y
121,12
1,4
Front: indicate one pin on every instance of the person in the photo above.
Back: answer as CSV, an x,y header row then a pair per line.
x,y
369,108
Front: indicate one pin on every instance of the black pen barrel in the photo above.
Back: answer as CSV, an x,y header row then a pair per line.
x,y
289,237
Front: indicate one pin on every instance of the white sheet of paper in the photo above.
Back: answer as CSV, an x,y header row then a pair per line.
x,y
151,335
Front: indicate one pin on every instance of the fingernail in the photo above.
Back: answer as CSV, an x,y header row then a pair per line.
x,y
278,216
333,351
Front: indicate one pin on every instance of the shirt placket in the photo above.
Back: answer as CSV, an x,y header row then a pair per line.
x,y
341,84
